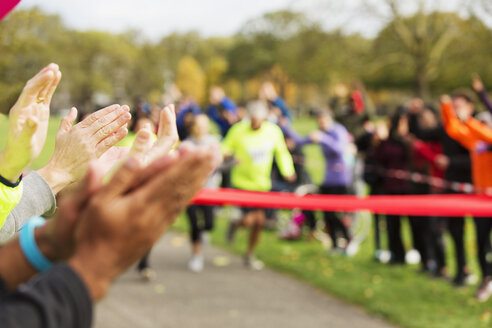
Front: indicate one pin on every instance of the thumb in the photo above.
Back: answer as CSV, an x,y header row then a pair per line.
x,y
28,130
67,121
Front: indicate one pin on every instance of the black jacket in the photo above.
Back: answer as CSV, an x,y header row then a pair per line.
x,y
459,169
56,299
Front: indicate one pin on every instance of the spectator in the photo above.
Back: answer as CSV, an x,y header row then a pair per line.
x,y
222,110
476,137
455,161
200,233
268,93
334,141
393,154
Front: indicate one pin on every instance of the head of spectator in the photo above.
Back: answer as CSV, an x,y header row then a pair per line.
x,y
217,94
428,118
325,119
200,126
258,113
267,92
463,104
399,124
415,106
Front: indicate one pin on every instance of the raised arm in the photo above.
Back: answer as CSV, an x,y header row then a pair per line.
x,y
291,134
481,92
481,131
455,128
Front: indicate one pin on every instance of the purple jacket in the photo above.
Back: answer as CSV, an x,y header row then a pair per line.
x,y
334,146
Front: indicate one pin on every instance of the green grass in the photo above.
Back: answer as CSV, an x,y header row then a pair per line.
x,y
398,294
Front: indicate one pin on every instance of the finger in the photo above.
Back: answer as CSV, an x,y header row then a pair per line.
x,y
51,90
34,86
91,119
106,120
122,180
67,122
167,121
110,141
143,141
111,128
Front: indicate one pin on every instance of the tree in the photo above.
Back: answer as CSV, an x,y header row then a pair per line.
x,y
190,78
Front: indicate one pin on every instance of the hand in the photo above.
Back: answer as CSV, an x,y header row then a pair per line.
x,y
56,237
446,99
442,161
292,178
477,83
28,123
316,136
124,218
77,145
145,149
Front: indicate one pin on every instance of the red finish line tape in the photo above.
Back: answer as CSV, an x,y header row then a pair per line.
x,y
456,205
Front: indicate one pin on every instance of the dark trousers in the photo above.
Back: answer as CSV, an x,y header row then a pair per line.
x,y
193,216
393,224
437,253
456,228
333,223
483,226
420,227
144,262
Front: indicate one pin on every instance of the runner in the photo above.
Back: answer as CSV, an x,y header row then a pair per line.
x,y
254,143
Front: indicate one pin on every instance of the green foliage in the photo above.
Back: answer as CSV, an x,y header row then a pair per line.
x,y
190,78
427,53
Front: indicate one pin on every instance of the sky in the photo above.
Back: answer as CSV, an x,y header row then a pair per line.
x,y
156,18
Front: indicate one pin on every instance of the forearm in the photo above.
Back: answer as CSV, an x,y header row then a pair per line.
x,y
291,134
56,178
484,97
14,267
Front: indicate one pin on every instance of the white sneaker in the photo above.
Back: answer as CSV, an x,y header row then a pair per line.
x,y
196,263
148,274
485,291
252,263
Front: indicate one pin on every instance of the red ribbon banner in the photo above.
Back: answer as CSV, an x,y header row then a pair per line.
x,y
456,205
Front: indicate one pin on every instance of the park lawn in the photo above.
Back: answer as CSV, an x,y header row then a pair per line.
x,y
398,294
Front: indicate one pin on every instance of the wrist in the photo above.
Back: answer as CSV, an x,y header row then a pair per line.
x,y
56,178
96,279
11,169
46,244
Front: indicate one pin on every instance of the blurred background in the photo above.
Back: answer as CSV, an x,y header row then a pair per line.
x,y
149,53
313,50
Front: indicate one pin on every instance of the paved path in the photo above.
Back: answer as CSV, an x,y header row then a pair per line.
x,y
221,296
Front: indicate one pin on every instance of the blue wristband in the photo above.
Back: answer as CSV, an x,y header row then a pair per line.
x,y
30,248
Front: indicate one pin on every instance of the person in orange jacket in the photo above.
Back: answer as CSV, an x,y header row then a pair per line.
x,y
476,137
